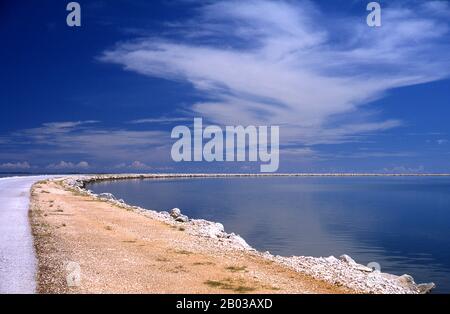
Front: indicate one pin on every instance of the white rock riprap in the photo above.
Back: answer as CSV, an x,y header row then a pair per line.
x,y
176,214
341,272
353,275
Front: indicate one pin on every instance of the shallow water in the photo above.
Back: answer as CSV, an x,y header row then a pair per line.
x,y
402,223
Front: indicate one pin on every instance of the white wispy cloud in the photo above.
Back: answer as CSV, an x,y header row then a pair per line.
x,y
437,7
86,140
159,120
286,63
64,165
15,166
404,169
135,165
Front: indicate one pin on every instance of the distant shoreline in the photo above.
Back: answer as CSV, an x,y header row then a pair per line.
x,y
306,174
127,176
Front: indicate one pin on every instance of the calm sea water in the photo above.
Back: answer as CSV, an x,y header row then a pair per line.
x,y
6,175
402,223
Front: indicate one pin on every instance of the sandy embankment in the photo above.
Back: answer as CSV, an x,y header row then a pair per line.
x,y
120,248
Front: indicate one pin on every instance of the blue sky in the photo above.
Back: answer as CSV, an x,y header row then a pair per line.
x,y
105,96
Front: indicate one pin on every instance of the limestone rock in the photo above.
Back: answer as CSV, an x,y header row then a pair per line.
x,y
182,218
107,196
425,287
331,259
406,280
363,268
175,212
350,261
347,259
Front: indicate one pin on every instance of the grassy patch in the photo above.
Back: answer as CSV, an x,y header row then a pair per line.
x,y
236,269
184,252
129,241
109,228
179,268
203,263
228,284
271,288
215,284
244,289
45,235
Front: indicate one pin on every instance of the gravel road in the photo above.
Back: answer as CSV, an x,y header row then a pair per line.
x,y
17,256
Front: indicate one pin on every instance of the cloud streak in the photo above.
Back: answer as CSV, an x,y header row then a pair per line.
x,y
288,64
63,165
87,141
134,166
15,166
